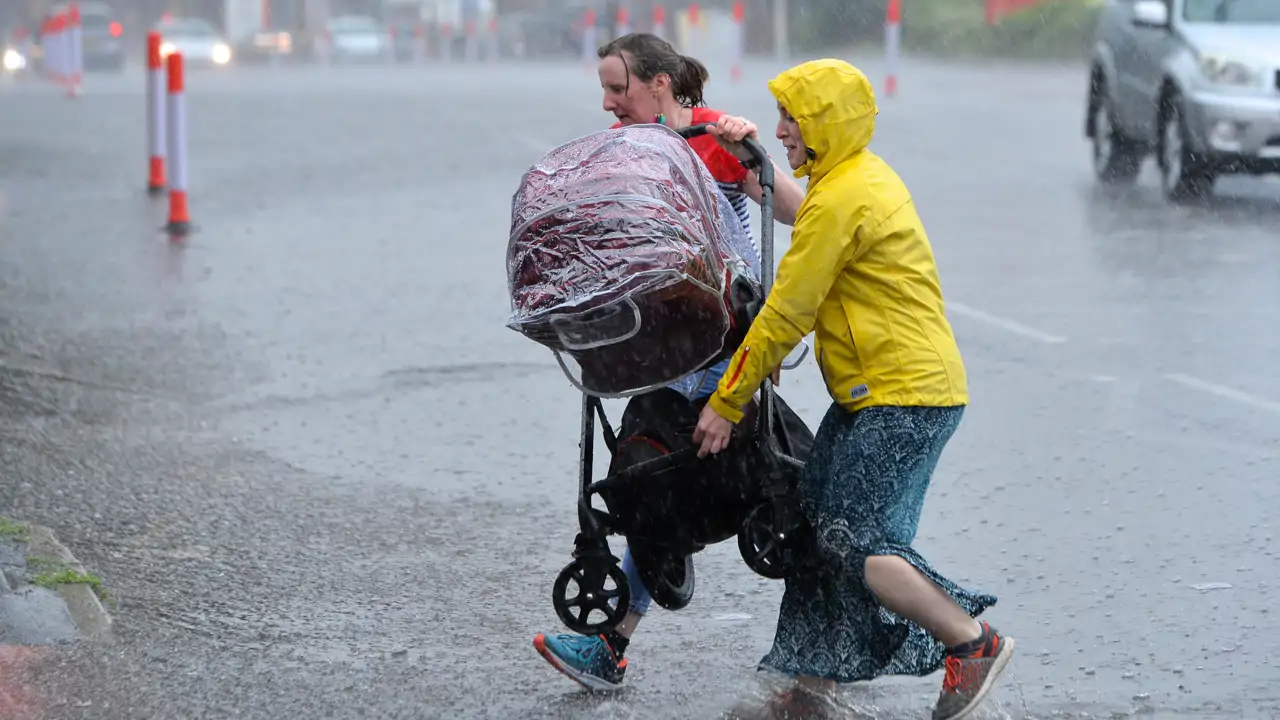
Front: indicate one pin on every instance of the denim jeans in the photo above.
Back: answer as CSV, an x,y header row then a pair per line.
x,y
640,598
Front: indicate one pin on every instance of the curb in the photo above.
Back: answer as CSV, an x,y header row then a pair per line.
x,y
90,617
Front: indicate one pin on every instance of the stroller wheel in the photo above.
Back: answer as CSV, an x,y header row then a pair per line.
x,y
774,538
667,576
591,594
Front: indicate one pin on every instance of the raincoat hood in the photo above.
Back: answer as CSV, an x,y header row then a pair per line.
x,y
835,106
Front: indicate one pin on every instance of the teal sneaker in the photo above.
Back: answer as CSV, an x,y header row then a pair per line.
x,y
589,661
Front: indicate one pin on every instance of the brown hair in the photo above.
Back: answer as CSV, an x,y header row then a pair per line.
x,y
653,56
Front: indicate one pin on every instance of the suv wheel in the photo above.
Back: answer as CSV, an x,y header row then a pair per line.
x,y
1182,175
1116,157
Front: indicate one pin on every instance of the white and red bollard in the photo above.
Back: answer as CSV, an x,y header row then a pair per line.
x,y
622,24
494,40
660,21
55,42
694,38
446,42
472,51
589,43
61,43
419,44
75,51
176,126
739,40
155,114
892,46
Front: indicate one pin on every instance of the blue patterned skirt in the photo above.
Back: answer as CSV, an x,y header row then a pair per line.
x,y
863,490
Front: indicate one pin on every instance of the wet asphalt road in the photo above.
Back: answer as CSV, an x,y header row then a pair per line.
x,y
321,479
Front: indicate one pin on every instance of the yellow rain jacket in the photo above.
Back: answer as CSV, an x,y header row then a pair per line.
x,y
860,272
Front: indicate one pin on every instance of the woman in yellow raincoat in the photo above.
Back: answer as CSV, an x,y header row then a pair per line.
x,y
860,275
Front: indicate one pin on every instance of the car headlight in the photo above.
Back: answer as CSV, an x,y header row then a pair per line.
x,y
1225,71
13,60
167,49
221,54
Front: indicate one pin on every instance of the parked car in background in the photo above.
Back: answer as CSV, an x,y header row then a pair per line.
x,y
355,38
15,51
197,39
102,33
271,44
1194,82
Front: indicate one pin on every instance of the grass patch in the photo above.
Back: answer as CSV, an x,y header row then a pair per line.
x,y
51,573
13,530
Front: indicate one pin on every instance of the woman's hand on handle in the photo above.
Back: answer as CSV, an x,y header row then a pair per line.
x,y
712,433
730,130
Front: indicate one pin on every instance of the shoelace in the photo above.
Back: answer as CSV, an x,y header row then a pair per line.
x,y
952,679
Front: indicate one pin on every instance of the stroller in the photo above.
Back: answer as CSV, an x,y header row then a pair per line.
x,y
618,261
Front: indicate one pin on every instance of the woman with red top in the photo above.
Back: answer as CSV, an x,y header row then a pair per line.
x,y
646,81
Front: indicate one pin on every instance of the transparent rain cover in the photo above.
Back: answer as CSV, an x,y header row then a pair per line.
x,y
618,261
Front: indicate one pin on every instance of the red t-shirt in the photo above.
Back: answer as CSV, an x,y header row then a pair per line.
x,y
724,167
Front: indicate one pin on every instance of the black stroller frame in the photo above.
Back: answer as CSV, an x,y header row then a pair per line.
x,y
773,537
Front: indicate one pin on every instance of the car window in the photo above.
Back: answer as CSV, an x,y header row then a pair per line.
x,y
1232,11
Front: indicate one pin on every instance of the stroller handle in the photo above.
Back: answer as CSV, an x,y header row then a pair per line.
x,y
757,151
764,172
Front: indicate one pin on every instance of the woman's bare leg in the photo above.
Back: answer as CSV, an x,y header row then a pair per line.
x,y
905,591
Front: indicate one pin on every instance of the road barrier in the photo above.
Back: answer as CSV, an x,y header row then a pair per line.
x,y
892,45
176,127
155,114
61,43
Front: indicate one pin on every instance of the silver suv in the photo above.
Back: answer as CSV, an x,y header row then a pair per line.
x,y
1196,82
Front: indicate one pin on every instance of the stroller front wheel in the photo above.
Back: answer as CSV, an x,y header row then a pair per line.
x,y
591,594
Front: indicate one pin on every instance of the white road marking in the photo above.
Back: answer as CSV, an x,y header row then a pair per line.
x,y
1003,324
1225,392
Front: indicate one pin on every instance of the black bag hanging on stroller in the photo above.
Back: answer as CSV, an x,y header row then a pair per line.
x,y
617,263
